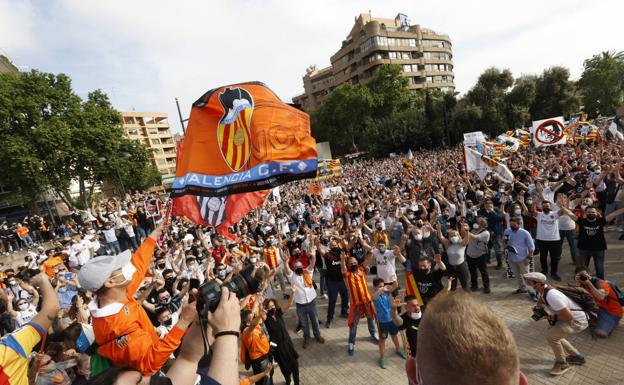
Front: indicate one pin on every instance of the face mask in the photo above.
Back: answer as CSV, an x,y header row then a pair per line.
x,y
382,249
419,225
415,315
529,202
299,271
128,272
514,228
583,207
253,261
169,280
546,211
410,216
23,306
455,239
517,211
476,226
221,273
161,266
166,300
168,322
271,312
591,217
424,271
12,283
353,268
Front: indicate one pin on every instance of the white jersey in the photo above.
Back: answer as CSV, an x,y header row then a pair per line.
x,y
548,226
385,264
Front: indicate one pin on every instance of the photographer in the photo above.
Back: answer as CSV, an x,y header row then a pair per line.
x,y
566,317
610,309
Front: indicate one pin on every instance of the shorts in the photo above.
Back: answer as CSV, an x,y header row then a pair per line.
x,y
606,321
386,328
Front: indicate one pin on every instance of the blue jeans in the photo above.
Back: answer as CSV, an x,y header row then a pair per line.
x,y
606,322
133,243
598,255
356,320
113,247
498,249
28,241
570,236
140,234
307,315
333,288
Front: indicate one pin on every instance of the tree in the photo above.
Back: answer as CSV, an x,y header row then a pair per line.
x,y
519,100
389,90
602,83
555,94
52,139
489,94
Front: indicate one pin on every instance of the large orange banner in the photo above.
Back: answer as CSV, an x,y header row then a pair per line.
x,y
243,138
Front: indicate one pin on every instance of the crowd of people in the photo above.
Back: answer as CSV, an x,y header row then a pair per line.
x,y
119,283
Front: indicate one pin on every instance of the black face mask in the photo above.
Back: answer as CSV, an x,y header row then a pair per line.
x,y
271,312
169,280
424,271
353,268
546,211
591,217
157,379
299,271
168,322
161,265
419,225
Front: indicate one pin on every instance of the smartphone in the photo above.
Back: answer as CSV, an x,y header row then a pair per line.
x,y
69,276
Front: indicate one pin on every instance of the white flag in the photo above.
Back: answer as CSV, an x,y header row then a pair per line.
x,y
549,132
511,144
483,165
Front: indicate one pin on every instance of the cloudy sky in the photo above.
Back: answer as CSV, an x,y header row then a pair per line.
x,y
143,53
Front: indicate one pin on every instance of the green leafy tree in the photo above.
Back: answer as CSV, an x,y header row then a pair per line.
x,y
555,94
389,90
602,83
519,100
489,96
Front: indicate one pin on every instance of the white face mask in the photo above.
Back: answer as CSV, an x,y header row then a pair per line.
x,y
128,271
23,306
455,239
415,315
418,237
475,226
253,260
517,211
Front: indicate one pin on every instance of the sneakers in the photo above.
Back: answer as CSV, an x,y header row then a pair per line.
x,y
374,338
344,315
320,339
533,297
351,350
559,368
579,359
327,324
556,277
324,296
522,290
474,288
401,353
499,266
487,290
382,363
306,343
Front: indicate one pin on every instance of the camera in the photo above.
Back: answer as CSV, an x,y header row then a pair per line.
x,y
209,294
583,277
538,313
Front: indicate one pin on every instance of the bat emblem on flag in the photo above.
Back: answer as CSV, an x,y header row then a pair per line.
x,y
234,133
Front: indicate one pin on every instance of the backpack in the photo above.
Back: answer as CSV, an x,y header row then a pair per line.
x,y
579,296
618,292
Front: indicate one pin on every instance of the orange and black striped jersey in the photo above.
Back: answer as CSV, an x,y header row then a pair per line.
x,y
270,257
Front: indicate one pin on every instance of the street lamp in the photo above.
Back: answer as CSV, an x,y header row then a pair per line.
x,y
124,155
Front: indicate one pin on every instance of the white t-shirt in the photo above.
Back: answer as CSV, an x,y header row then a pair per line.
x,y
385,264
303,295
557,301
81,251
109,235
548,225
25,316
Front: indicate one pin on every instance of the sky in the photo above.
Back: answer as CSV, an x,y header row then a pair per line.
x,y
144,53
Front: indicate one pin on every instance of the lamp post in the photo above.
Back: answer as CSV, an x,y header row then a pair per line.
x,y
124,155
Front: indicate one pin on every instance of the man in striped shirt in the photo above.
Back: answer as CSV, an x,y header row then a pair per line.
x,y
362,305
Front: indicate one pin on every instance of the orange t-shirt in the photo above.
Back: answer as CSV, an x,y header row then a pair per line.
x,y
255,342
22,231
124,332
610,303
50,264
244,381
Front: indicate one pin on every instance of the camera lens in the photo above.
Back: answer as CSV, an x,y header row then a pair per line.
x,y
583,278
242,285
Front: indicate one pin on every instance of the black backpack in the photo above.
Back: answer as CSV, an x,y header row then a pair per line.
x,y
578,296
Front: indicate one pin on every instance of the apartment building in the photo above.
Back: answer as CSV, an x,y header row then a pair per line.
x,y
425,56
152,130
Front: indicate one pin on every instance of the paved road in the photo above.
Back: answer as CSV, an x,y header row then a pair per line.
x,y
330,364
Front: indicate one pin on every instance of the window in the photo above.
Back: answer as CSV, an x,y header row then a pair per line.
x,y
161,162
393,55
405,55
391,41
410,67
155,141
429,79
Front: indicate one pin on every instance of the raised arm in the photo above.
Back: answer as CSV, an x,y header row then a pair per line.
x,y
614,214
397,253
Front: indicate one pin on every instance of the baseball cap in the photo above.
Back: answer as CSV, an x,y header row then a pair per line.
x,y
95,272
536,277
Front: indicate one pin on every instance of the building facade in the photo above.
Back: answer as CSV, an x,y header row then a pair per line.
x,y
6,65
425,56
152,130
